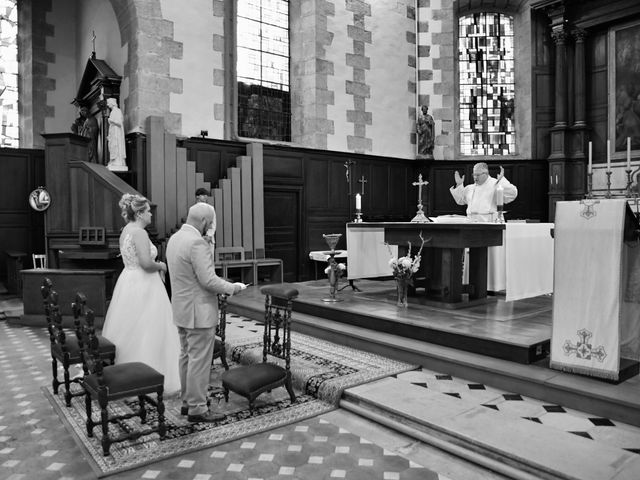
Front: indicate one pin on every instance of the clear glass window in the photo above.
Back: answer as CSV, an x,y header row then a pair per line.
x,y
262,69
9,133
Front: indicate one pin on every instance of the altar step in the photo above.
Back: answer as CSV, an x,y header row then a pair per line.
x,y
515,447
617,402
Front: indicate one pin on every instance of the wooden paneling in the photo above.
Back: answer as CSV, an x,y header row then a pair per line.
x,y
529,176
21,229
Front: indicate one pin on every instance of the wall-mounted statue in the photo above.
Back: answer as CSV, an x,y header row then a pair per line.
x,y
425,128
117,153
87,126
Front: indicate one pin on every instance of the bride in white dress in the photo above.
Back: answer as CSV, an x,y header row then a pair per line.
x,y
139,320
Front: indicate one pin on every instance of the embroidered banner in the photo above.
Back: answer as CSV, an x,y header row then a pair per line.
x,y
589,287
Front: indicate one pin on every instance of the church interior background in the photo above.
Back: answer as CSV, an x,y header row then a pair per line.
x,y
320,101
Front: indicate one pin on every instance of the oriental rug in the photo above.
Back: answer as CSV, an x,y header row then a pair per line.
x,y
321,372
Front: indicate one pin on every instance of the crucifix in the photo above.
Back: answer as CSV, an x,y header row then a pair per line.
x,y
420,217
362,181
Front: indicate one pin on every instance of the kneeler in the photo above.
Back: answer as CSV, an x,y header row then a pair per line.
x,y
250,381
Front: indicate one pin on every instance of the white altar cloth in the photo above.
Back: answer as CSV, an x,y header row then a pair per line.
x,y
522,266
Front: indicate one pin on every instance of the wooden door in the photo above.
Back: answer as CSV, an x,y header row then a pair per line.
x,y
283,227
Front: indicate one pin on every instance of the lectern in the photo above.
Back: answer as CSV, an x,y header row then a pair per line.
x,y
596,300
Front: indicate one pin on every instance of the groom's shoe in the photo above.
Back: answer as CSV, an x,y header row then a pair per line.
x,y
184,410
208,417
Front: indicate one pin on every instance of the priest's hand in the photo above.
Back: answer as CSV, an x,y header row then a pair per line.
x,y
501,174
459,179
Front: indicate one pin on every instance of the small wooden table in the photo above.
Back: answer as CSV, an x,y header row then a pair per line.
x,y
448,241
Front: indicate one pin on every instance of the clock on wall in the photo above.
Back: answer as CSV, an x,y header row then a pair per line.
x,y
39,199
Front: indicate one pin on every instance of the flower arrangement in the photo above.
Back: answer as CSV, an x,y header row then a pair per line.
x,y
405,267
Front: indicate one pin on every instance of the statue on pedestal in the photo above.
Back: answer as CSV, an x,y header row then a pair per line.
x,y
117,153
425,128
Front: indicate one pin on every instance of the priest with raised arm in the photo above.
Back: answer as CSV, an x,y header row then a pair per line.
x,y
484,195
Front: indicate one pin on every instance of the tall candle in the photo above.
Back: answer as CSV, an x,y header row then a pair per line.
x,y
590,166
608,155
358,202
628,153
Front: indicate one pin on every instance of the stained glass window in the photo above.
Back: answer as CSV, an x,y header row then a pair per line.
x,y
487,84
9,134
262,69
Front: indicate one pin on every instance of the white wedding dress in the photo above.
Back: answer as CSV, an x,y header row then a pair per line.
x,y
139,321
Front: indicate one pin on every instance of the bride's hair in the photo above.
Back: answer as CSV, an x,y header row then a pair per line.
x,y
131,204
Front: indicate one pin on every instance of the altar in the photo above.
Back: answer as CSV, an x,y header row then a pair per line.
x,y
522,267
446,244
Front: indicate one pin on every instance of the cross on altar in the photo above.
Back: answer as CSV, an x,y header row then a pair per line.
x,y
419,184
362,181
420,217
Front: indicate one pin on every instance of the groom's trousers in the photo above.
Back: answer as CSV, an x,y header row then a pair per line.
x,y
196,351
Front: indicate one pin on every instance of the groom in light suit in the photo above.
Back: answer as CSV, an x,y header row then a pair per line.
x,y
194,301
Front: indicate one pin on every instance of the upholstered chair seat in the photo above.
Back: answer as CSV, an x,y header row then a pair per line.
x,y
250,381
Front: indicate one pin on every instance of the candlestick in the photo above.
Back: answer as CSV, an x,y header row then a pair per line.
x,y
590,166
629,182
608,192
608,155
628,153
589,185
358,202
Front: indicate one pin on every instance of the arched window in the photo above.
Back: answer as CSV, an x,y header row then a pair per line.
x,y
487,84
9,134
262,69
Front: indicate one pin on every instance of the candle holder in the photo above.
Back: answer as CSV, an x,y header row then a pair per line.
x,y
589,185
500,214
608,192
629,182
358,218
420,216
334,272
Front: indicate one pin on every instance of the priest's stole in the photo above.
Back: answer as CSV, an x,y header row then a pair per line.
x,y
590,318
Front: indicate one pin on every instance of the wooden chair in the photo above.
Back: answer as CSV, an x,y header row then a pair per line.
x,y
39,260
251,381
64,348
220,347
115,382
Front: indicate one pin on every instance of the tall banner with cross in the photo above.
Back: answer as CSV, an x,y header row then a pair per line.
x,y
595,302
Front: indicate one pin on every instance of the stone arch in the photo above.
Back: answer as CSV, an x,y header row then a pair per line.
x,y
150,48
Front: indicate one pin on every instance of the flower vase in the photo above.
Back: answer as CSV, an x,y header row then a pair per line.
x,y
402,287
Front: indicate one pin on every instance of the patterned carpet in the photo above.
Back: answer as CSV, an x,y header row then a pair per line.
x,y
321,372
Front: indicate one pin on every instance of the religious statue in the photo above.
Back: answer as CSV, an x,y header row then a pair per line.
x,y
425,128
86,125
117,153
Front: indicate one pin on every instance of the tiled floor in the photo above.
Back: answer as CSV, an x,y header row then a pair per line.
x,y
35,444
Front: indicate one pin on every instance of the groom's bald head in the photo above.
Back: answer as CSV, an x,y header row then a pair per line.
x,y
201,216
